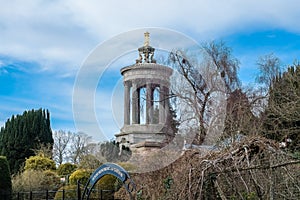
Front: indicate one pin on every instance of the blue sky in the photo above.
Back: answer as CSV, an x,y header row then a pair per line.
x,y
44,44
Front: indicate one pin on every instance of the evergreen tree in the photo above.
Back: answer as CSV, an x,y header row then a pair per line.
x,y
22,134
5,179
282,115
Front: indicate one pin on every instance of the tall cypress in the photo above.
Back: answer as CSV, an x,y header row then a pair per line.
x,y
23,133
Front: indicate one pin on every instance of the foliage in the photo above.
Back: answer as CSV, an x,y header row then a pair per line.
x,y
281,117
296,155
39,163
139,195
107,182
35,180
89,162
51,179
168,183
80,175
66,169
23,133
5,179
44,150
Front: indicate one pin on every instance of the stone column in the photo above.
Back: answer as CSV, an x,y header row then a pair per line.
x,y
134,103
161,105
126,103
166,94
138,110
149,104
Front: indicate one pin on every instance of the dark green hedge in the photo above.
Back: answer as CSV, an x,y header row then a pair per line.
x,y
5,179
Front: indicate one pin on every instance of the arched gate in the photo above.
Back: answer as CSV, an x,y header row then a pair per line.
x,y
112,169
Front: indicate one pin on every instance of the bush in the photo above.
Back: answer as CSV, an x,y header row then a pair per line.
x,y
81,175
39,163
51,180
89,162
66,169
107,182
35,180
5,179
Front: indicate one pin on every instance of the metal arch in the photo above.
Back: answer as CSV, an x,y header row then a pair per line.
x,y
112,169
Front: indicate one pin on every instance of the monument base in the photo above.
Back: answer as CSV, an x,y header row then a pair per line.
x,y
144,136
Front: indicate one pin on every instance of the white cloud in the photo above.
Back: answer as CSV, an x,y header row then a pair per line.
x,y
202,17
2,68
59,35
63,32
42,32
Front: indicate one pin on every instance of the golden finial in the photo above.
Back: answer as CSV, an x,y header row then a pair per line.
x,y
147,39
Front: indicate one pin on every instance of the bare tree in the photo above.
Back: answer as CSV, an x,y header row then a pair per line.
x,y
269,67
78,146
195,93
204,79
62,140
227,65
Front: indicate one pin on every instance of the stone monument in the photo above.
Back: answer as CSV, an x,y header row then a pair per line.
x,y
146,101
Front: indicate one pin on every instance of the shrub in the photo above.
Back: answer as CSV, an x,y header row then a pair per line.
x,y
51,180
89,162
66,169
107,182
81,175
5,179
35,180
39,163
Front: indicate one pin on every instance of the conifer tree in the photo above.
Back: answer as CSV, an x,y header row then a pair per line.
x,y
22,134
